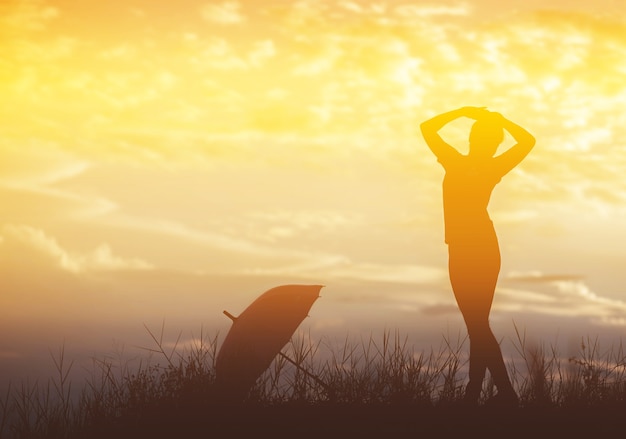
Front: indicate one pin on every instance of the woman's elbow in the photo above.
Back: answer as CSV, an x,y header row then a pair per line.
x,y
426,129
529,140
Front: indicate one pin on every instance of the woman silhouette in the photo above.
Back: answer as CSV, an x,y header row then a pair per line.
x,y
473,251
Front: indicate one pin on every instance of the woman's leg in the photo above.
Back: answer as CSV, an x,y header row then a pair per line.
x,y
473,275
485,350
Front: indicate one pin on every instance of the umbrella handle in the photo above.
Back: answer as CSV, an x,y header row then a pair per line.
x,y
230,316
309,374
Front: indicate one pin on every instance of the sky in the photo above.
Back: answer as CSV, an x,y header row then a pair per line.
x,y
163,161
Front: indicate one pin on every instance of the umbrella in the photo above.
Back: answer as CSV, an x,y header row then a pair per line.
x,y
258,334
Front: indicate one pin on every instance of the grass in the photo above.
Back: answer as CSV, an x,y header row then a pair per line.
x,y
378,386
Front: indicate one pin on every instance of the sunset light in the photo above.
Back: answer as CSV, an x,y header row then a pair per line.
x,y
164,161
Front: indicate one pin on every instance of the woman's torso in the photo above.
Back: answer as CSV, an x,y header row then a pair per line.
x,y
467,188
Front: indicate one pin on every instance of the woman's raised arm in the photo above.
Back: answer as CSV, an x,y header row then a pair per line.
x,y
515,154
430,130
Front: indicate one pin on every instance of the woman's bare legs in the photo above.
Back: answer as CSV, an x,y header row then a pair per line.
x,y
474,272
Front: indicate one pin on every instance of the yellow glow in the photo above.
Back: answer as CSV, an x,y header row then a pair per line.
x,y
274,140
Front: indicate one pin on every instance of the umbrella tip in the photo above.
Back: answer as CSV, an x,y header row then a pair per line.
x,y
230,316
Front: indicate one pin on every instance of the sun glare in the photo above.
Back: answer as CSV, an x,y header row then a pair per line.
x,y
157,152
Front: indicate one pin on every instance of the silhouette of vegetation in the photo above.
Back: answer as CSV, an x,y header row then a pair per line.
x,y
377,385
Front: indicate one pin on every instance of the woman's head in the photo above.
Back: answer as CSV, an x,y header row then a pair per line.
x,y
486,135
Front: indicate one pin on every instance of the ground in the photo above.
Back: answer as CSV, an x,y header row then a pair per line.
x,y
306,421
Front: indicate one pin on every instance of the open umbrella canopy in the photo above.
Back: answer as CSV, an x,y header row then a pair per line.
x,y
259,334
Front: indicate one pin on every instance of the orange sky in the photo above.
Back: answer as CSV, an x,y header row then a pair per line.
x,y
167,162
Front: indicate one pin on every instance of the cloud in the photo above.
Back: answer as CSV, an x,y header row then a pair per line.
x,y
559,295
384,76
219,54
33,176
514,217
124,51
226,13
261,52
27,15
339,268
433,10
602,310
538,277
27,239
25,244
276,224
41,205
351,6
37,163
319,63
394,273
103,258
199,236
440,309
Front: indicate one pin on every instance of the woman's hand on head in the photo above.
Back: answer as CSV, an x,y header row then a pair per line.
x,y
475,112
497,117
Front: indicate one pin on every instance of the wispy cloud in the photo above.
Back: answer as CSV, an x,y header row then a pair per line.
x,y
409,274
227,13
434,9
560,296
25,15
37,163
25,243
538,277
